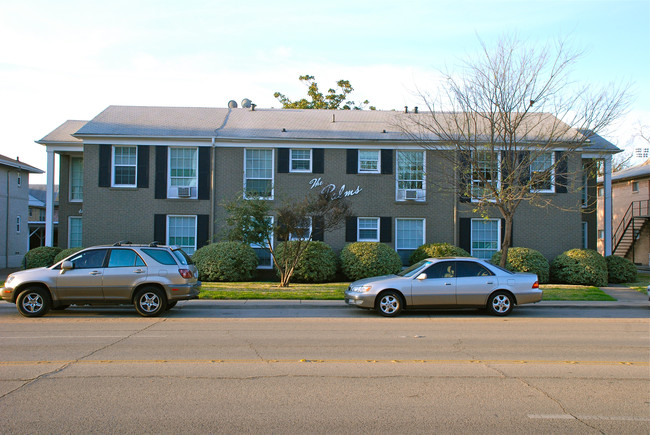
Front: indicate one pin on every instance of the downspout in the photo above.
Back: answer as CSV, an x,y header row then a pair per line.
x,y
7,226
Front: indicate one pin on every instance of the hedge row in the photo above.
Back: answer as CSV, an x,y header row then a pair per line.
x,y
234,261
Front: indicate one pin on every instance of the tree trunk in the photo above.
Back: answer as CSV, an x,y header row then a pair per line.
x,y
506,240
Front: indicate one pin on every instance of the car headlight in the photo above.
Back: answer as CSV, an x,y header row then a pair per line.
x,y
361,288
9,279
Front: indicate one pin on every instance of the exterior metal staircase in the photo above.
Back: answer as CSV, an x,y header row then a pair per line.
x,y
634,222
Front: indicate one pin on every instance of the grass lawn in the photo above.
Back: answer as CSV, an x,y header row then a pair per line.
x,y
334,291
641,284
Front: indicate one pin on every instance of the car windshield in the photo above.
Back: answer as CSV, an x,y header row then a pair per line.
x,y
412,270
182,257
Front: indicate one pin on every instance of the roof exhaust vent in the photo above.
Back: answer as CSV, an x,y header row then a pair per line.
x,y
232,104
246,103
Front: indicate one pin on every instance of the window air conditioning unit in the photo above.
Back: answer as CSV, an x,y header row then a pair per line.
x,y
184,192
411,194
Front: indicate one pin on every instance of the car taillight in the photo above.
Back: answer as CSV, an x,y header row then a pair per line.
x,y
536,285
185,273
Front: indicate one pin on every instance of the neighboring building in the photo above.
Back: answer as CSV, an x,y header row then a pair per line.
x,y
630,214
163,173
37,193
14,210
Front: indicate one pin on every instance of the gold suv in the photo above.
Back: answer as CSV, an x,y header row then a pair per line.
x,y
151,277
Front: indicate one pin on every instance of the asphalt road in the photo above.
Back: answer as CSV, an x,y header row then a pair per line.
x,y
322,367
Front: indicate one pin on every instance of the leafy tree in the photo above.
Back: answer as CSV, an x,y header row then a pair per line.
x,y
501,119
249,222
334,99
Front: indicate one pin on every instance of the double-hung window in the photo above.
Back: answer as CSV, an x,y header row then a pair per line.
x,y
541,173
76,179
409,235
125,162
302,231
367,229
485,174
181,232
369,162
410,176
486,237
74,232
258,173
300,160
183,172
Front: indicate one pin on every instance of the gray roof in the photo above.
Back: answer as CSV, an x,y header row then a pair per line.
x,y
639,171
283,124
598,143
39,192
63,134
6,161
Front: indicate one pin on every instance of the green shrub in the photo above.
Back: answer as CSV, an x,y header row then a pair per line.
x,y
620,269
365,259
42,256
65,253
581,267
316,264
525,260
225,261
435,250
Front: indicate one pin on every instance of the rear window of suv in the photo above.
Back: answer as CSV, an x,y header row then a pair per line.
x,y
182,256
161,256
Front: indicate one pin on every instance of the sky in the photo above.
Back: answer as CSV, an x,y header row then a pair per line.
x,y
69,59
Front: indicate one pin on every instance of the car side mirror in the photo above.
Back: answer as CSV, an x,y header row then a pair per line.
x,y
421,277
67,265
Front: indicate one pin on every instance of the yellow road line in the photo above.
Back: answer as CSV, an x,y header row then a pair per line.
x,y
326,361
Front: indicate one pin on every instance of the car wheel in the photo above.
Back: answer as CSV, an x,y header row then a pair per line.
x,y
171,304
389,304
34,302
500,304
150,302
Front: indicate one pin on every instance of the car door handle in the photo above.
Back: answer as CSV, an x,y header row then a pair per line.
x,y
490,282
95,272
447,283
138,271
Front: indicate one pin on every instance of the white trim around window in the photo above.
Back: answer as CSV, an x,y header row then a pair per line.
x,y
485,237
306,229
183,172
181,232
368,229
410,176
410,234
124,166
369,162
490,173
301,160
544,163
75,232
259,172
76,179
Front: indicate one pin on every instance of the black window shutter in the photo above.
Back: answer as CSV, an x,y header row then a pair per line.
x,y
524,164
560,172
202,230
506,168
386,161
352,162
351,229
317,233
161,173
318,164
385,229
143,166
465,174
204,172
105,152
283,160
465,234
160,228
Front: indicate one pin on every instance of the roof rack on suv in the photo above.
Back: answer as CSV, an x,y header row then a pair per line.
x,y
122,242
154,244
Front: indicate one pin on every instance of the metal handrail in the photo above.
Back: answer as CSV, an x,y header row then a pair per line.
x,y
635,206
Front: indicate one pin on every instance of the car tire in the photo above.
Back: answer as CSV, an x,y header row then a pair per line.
x,y
389,304
150,302
171,304
500,303
34,302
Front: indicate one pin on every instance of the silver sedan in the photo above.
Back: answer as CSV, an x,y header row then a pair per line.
x,y
446,282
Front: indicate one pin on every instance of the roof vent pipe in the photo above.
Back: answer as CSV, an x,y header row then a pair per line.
x,y
415,109
406,109
253,107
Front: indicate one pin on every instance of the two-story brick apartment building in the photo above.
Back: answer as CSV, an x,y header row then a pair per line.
x,y
163,173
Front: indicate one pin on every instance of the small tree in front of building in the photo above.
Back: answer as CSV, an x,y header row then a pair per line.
x,y
255,222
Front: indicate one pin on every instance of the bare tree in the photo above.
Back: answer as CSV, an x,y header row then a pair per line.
x,y
296,223
501,121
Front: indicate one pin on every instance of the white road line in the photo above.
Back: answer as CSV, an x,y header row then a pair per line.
x,y
585,417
